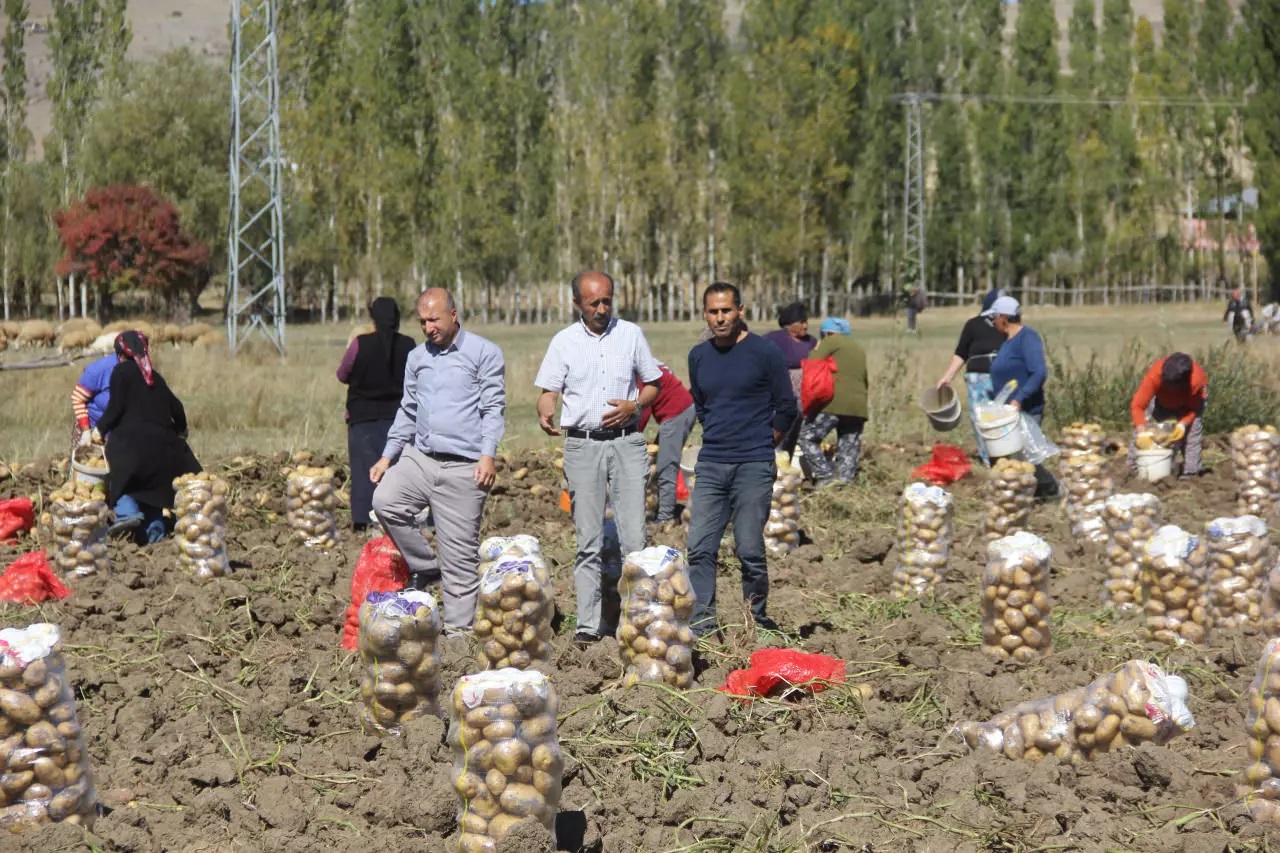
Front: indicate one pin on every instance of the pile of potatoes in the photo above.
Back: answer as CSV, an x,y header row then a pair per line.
x,y
1015,598
508,765
1011,495
1260,783
311,495
44,767
1255,456
1173,587
79,518
782,530
924,539
1087,486
1271,604
1132,519
1239,558
1082,439
654,637
200,509
1137,704
398,643
513,615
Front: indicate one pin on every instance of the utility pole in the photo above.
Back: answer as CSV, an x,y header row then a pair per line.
x,y
255,234
913,240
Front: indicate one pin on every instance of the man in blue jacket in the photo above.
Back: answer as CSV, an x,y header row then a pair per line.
x,y
743,398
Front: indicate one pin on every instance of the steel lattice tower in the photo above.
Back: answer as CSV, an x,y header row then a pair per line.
x,y
255,235
913,245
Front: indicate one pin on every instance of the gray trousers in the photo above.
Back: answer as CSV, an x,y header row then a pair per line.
x,y
672,434
596,470
450,489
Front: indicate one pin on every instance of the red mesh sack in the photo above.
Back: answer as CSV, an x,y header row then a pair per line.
x,y
946,465
17,516
379,569
30,580
771,669
817,384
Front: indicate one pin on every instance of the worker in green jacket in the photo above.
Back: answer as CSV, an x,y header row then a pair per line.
x,y
847,411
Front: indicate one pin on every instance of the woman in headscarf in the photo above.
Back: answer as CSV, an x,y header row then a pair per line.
x,y
977,348
146,429
795,342
373,371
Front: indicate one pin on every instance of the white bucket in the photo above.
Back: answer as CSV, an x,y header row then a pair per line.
x,y
81,473
1002,433
689,460
942,407
1155,464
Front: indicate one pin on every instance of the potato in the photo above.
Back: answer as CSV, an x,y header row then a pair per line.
x,y
1131,519
403,673
1013,627
1086,487
310,501
201,522
1255,458
1011,495
520,759
1173,587
924,540
79,518
782,530
651,629
1238,562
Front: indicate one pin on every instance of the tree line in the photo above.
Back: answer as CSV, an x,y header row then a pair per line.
x,y
496,148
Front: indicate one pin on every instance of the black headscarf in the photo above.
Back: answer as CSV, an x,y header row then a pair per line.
x,y
793,313
385,314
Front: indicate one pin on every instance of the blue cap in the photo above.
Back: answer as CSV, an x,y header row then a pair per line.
x,y
990,299
836,326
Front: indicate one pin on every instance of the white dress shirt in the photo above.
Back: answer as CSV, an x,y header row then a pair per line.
x,y
589,370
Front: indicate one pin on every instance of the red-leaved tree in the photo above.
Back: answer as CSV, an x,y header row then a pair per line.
x,y
123,237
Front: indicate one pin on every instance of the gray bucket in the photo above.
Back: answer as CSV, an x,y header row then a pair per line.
x,y
942,407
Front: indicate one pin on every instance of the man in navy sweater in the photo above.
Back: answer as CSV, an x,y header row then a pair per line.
x,y
743,397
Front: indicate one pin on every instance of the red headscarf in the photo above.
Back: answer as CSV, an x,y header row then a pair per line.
x,y
134,345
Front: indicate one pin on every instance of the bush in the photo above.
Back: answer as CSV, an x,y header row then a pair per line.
x,y
1242,387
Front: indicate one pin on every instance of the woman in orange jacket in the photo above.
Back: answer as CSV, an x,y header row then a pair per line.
x,y
1173,395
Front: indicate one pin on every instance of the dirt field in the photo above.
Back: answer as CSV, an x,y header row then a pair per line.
x,y
224,717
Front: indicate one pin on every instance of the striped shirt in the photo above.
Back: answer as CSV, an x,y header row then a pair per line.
x,y
589,370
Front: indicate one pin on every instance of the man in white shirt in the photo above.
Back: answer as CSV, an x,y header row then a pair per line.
x,y
593,366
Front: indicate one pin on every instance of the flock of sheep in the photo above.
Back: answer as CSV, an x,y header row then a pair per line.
x,y
82,334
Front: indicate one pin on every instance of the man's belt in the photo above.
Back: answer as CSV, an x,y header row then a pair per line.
x,y
448,457
598,434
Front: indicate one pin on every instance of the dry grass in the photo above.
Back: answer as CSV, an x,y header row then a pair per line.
x,y
259,403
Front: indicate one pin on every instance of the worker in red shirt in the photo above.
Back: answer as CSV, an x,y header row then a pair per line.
x,y
1173,395
673,410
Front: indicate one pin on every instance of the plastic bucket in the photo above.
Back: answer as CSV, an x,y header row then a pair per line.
x,y
689,460
1002,432
1155,464
81,473
942,407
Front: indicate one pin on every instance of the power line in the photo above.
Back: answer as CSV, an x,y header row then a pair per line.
x,y
1062,100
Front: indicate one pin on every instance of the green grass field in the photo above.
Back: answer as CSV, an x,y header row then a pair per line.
x,y
257,402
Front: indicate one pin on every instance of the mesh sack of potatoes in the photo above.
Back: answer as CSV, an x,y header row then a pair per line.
x,y
651,489
1255,458
1086,485
1081,439
200,510
1015,598
310,497
924,539
79,518
1131,521
782,529
1139,703
44,768
1239,559
513,616
653,632
507,759
1271,604
1259,786
1011,493
399,653
522,546
1173,587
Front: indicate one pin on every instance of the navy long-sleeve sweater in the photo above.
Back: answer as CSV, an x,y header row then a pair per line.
x,y
1022,358
741,394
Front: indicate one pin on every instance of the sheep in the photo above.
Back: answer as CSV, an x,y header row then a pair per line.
x,y
76,339
36,333
195,331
